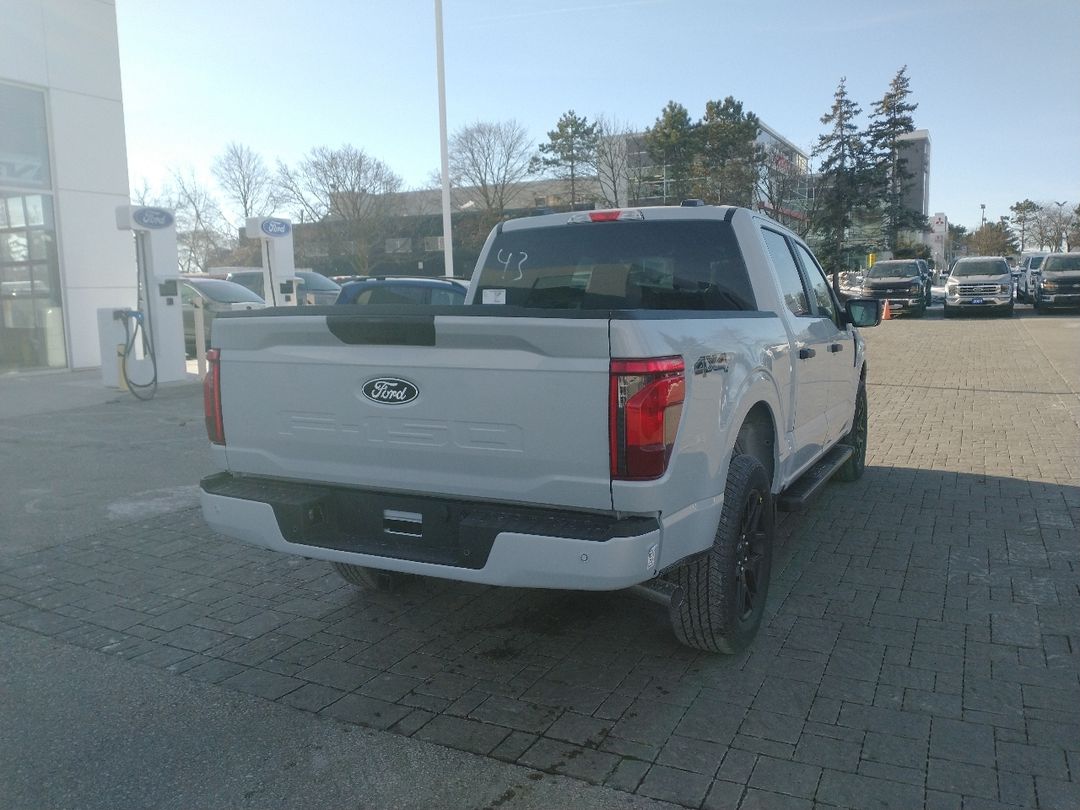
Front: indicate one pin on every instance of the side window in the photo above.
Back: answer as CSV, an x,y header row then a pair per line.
x,y
791,281
818,283
446,297
187,295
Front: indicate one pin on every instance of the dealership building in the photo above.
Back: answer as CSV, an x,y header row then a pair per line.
x,y
63,172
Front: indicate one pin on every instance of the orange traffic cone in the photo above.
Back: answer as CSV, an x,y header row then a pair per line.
x,y
886,313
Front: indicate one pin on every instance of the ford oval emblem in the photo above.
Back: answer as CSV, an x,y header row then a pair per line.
x,y
390,391
152,217
275,227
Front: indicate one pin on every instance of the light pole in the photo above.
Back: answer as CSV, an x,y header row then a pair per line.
x,y
982,221
448,239
1061,224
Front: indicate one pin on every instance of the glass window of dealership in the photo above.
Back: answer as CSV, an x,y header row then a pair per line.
x,y
31,314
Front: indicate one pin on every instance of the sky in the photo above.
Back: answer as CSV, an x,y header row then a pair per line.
x,y
995,80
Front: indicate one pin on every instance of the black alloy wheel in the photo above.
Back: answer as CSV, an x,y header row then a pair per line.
x,y
853,468
750,554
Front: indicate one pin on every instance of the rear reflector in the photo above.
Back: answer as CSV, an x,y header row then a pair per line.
x,y
614,215
645,407
215,425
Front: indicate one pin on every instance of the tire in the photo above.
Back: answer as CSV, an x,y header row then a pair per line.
x,y
724,590
1007,310
854,467
920,312
369,579
948,311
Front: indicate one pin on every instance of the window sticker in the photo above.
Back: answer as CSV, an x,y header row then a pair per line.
x,y
494,297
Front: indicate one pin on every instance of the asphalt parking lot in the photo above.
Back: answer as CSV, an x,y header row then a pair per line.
x,y
922,645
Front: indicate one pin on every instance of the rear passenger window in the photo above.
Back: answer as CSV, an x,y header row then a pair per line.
x,y
659,264
820,286
791,281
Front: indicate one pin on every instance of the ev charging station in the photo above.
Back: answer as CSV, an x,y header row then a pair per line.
x,y
278,264
143,347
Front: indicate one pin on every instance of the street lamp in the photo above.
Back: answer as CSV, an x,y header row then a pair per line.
x,y
982,221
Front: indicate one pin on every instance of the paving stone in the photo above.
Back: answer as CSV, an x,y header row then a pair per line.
x,y
515,714
214,671
791,778
1057,794
389,687
771,726
756,799
367,711
337,674
887,721
565,758
628,775
579,729
515,744
960,777
856,791
962,742
264,684
312,697
630,749
689,754
648,722
839,755
671,785
1032,759
724,795
463,734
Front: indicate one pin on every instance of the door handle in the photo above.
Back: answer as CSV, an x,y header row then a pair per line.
x,y
806,354
836,347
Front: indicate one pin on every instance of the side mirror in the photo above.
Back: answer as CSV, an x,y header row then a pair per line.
x,y
864,311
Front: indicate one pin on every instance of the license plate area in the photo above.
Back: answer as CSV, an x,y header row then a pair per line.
x,y
977,301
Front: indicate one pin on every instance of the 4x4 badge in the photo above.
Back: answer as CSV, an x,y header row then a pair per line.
x,y
390,391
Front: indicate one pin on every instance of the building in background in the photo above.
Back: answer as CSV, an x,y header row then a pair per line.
x,y
63,172
915,150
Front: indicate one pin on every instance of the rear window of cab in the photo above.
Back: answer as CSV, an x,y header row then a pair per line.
x,y
665,264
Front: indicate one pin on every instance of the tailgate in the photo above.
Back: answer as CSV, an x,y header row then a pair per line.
x,y
474,406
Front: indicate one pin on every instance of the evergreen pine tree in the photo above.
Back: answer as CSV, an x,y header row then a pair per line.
x,y
570,150
672,143
729,156
843,188
892,118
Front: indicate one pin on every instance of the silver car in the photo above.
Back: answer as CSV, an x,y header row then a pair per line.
x,y
979,283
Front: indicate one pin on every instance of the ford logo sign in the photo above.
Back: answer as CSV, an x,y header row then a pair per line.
x,y
275,227
390,391
152,217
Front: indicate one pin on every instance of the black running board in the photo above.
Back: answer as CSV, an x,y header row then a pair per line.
x,y
809,484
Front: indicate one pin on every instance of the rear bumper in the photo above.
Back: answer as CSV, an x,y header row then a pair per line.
x,y
465,541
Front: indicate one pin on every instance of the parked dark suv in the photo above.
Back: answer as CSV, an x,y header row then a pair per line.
x,y
1058,285
901,282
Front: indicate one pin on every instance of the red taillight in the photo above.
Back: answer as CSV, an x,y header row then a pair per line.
x,y
645,405
215,425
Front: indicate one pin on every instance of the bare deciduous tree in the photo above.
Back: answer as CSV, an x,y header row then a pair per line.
x,y
612,160
203,236
344,183
487,162
349,192
245,180
783,186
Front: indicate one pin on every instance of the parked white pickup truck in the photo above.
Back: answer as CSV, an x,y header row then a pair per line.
x,y
621,402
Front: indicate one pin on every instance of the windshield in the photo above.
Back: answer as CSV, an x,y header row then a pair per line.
x,y
224,292
893,270
981,267
1062,264
1036,262
618,265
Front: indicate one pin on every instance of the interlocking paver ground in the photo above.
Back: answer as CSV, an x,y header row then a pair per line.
x,y
921,647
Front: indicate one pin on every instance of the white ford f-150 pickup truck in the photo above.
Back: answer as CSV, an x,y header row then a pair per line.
x,y
623,401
